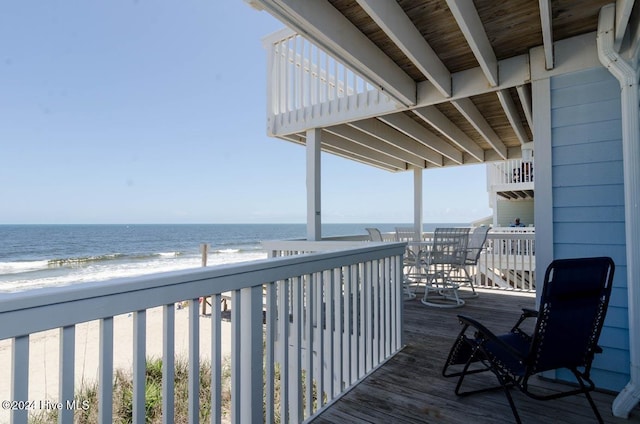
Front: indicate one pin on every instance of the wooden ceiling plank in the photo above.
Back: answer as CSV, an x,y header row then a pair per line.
x,y
374,143
440,122
378,129
413,129
474,116
513,116
471,26
396,24
322,23
547,32
524,93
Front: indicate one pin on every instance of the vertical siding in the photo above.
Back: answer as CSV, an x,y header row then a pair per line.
x,y
588,197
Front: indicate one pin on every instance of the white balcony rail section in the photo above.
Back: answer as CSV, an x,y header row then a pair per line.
x,y
513,171
309,88
344,306
508,260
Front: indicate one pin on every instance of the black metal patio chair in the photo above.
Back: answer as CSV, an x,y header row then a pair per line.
x,y
572,309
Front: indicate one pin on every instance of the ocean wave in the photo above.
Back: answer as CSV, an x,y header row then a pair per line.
x,y
22,266
60,262
169,254
229,250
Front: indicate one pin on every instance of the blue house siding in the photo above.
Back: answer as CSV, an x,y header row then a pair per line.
x,y
588,197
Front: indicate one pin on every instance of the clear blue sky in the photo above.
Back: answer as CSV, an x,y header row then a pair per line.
x,y
154,112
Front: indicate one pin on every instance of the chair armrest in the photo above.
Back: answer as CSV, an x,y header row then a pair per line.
x,y
529,313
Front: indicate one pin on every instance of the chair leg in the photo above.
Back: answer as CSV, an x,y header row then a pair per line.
x,y
586,390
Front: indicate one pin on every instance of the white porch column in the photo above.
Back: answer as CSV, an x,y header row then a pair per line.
x,y
417,203
314,217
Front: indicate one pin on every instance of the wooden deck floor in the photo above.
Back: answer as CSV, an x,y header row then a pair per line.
x,y
409,388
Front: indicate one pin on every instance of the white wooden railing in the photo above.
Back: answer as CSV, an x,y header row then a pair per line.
x,y
340,313
513,171
507,261
310,88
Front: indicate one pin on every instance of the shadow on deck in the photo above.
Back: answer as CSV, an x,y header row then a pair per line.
x,y
410,388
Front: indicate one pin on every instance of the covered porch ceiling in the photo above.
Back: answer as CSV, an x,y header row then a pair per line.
x,y
459,71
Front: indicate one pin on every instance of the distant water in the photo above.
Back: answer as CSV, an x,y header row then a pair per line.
x,y
33,256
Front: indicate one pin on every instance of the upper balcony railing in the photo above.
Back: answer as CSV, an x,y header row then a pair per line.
x,y
308,87
510,172
304,329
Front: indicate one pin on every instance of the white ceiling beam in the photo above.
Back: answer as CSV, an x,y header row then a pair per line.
x,y
335,146
347,147
440,122
471,26
396,24
322,23
472,82
374,143
413,129
474,116
623,12
524,93
547,32
384,132
513,116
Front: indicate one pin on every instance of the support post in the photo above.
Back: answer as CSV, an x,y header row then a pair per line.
x,y
314,221
417,204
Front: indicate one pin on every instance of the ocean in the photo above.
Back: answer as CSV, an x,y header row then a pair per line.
x,y
34,256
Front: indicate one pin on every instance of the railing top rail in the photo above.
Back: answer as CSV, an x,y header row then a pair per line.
x,y
48,308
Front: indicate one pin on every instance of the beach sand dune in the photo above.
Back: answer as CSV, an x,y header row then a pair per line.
x,y
44,352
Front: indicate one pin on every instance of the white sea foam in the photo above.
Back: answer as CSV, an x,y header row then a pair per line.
x,y
22,266
101,271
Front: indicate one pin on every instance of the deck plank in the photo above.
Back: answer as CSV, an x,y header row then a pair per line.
x,y
409,388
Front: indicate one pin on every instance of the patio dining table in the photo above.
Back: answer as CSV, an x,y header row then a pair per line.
x,y
434,263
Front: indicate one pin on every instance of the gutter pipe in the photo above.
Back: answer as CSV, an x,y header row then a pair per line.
x,y
628,76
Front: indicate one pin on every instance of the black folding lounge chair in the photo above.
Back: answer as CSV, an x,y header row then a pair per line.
x,y
572,310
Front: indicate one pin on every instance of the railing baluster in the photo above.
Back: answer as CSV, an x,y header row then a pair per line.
x,y
66,373
194,361
295,373
20,377
321,319
168,363
338,320
105,396
139,365
308,340
216,359
283,344
236,360
270,336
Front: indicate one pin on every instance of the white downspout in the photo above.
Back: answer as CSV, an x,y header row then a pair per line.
x,y
628,77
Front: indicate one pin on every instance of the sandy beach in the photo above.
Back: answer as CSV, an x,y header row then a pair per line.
x,y
44,352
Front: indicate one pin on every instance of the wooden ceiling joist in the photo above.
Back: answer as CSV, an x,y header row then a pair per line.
x,y
440,122
512,115
413,129
471,26
547,32
473,115
384,132
396,24
366,140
